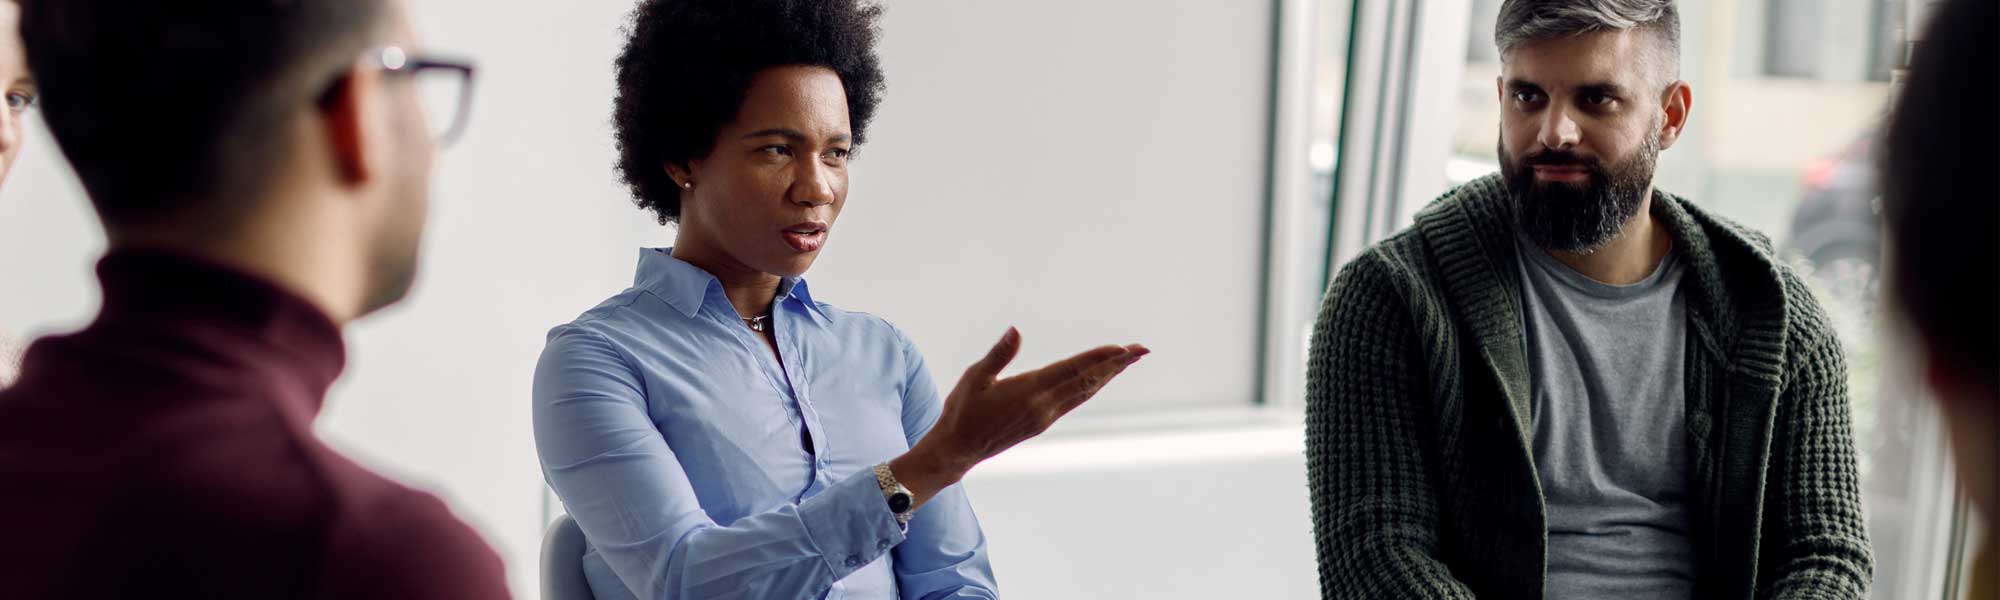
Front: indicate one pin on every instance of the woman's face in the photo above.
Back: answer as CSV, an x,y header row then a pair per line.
x,y
768,194
16,86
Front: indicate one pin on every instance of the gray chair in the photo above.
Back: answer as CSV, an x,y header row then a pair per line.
x,y
562,562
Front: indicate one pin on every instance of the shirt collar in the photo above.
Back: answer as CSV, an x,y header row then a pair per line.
x,y
796,289
685,286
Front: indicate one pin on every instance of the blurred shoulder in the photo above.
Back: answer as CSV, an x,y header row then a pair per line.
x,y
403,543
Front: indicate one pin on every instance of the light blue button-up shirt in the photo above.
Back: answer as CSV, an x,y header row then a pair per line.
x,y
674,437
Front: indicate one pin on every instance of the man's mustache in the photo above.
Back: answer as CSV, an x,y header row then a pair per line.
x,y
1561,158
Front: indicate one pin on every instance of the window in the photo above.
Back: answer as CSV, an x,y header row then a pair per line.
x,y
1792,38
1816,39
1311,92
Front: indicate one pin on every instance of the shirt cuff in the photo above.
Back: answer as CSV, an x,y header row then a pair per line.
x,y
850,525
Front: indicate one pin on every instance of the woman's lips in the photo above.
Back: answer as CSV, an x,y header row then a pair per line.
x,y
805,237
805,242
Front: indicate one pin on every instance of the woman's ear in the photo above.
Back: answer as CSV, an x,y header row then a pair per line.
x,y
681,173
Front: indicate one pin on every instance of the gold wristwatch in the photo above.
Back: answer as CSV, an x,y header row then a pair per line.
x,y
900,499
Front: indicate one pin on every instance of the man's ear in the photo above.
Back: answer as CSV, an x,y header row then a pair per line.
x,y
350,117
1677,102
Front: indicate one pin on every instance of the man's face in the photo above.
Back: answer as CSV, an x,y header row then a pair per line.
x,y
1582,123
407,172
17,86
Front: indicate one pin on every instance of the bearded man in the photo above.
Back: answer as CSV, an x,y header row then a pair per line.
x,y
1563,383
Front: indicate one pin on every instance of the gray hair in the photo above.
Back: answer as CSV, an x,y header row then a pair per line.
x,y
1523,21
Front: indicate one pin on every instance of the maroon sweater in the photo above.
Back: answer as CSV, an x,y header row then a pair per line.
x,y
167,451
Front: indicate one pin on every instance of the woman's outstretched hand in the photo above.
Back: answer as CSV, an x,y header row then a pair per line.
x,y
985,415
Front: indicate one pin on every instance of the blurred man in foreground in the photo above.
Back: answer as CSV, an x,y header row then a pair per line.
x,y
260,169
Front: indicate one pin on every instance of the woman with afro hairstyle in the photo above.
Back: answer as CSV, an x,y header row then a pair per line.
x,y
715,430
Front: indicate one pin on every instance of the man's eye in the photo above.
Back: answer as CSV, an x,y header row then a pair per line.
x,y
20,101
777,150
1597,99
1526,97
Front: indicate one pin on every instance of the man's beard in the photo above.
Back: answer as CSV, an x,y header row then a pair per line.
x,y
1581,218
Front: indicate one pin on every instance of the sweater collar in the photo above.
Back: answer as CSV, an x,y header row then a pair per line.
x,y
1469,232
223,315
1741,300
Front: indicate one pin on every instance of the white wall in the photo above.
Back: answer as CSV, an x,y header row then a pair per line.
x,y
1090,171
1219,512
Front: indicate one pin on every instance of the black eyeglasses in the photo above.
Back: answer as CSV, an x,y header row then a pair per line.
x,y
444,88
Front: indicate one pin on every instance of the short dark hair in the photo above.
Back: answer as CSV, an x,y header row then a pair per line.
x,y
1938,184
687,65
168,108
1523,21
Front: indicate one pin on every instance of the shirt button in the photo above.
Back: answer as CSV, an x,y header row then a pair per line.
x,y
853,561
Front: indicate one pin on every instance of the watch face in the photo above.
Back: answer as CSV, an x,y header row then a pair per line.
x,y
899,503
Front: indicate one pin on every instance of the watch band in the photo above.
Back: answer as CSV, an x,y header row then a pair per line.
x,y
899,497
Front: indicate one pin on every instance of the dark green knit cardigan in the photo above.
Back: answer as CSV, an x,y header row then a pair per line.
x,y
1417,430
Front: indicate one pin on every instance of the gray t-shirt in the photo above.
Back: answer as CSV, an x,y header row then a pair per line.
x,y
1610,440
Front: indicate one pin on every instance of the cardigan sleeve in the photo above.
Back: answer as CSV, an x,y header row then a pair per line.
x,y
1815,540
1375,514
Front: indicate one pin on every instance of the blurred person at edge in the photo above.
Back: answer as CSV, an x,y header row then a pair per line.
x,y
1943,218
1565,383
260,170
716,430
19,87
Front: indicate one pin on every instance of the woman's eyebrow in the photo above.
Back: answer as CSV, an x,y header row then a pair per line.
x,y
792,135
